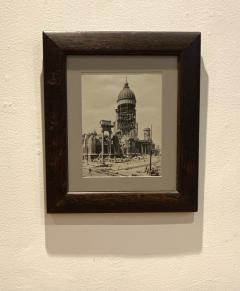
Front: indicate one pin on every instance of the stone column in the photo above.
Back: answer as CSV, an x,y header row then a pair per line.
x,y
110,143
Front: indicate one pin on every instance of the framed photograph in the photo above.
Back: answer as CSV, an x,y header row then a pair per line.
x,y
121,113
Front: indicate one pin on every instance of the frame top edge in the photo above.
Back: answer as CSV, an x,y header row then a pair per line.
x,y
120,42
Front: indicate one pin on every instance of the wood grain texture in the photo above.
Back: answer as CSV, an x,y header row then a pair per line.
x,y
56,47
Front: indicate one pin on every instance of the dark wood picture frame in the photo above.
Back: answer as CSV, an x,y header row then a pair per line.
x,y
56,47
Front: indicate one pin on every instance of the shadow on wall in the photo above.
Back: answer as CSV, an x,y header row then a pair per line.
x,y
134,234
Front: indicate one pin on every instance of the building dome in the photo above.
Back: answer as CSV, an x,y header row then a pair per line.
x,y
126,93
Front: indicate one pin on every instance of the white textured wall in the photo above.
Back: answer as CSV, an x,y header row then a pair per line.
x,y
119,252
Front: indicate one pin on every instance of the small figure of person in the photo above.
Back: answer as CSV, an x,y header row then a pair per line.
x,y
90,171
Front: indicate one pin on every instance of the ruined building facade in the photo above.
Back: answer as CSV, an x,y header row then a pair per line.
x,y
119,138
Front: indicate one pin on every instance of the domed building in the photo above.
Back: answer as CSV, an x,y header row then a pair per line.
x,y
126,112
126,126
124,140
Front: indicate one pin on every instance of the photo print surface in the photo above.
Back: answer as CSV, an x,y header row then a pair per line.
x,y
121,124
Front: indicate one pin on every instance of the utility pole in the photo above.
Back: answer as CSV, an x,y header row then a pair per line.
x,y
102,146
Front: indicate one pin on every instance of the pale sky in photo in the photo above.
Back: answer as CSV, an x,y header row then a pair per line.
x,y
99,100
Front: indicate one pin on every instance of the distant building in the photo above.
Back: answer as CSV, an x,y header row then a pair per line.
x,y
123,141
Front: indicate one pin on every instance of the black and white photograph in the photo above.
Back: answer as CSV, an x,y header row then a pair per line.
x,y
121,124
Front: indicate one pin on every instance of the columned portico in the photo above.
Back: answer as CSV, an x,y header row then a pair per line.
x,y
106,125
